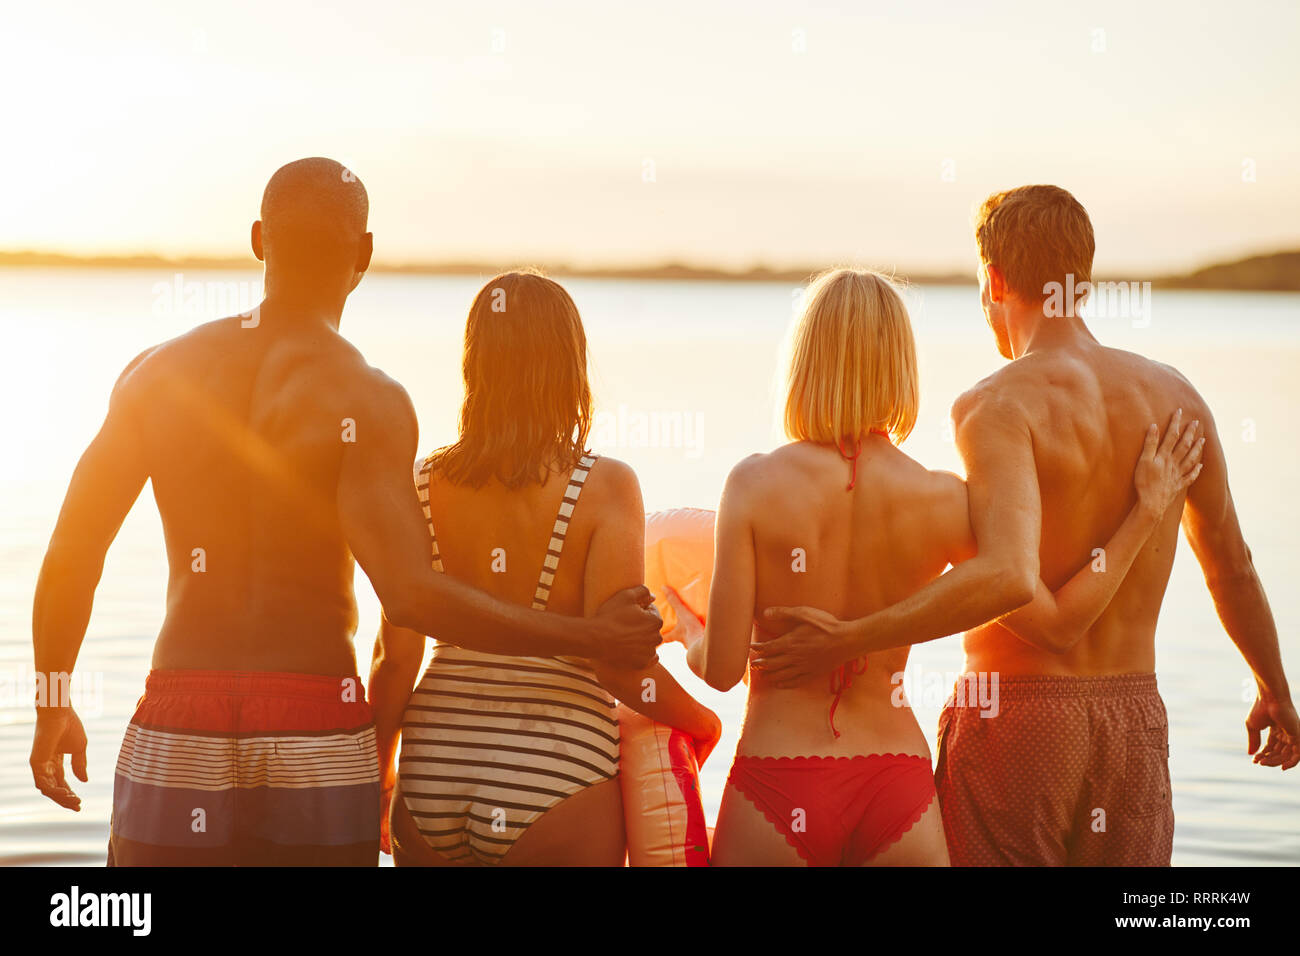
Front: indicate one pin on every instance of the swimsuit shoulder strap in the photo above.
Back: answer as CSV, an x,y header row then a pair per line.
x,y
542,596
422,489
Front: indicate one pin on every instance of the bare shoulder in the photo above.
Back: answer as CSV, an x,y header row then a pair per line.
x,y
379,398
1177,386
612,482
745,482
1002,397
753,472
161,362
352,381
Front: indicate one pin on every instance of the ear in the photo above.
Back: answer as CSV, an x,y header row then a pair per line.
x,y
997,283
257,241
365,249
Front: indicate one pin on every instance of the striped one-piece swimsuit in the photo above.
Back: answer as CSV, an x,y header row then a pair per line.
x,y
491,742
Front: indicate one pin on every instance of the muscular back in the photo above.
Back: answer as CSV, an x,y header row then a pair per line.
x,y
242,431
1086,409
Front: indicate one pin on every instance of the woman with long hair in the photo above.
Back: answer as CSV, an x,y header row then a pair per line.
x,y
508,759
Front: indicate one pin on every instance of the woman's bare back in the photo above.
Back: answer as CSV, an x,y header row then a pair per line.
x,y
850,552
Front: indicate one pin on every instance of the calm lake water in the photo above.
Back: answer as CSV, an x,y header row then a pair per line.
x,y
684,375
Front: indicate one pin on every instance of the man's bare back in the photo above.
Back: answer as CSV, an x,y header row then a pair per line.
x,y
1086,408
242,431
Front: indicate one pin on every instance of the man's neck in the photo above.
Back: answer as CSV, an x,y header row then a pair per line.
x,y
1035,332
286,305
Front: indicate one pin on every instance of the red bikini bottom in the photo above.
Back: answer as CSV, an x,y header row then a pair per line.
x,y
837,811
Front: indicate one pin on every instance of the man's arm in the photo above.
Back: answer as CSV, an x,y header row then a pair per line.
x,y
1005,514
384,526
105,485
1211,526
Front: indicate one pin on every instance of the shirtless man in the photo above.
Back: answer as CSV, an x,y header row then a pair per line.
x,y
1074,769
276,455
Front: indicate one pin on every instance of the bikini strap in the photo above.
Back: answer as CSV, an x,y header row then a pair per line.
x,y
542,596
857,450
422,470
841,680
853,459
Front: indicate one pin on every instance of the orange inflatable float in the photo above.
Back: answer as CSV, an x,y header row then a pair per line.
x,y
679,558
657,764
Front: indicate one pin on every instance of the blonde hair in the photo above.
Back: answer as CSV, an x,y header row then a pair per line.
x,y
853,361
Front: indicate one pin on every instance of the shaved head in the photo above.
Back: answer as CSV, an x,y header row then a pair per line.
x,y
312,234
314,208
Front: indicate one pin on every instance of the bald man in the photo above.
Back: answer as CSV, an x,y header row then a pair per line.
x,y
277,455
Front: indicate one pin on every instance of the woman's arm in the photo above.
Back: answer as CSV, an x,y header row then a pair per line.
x,y
394,669
720,657
1056,621
616,560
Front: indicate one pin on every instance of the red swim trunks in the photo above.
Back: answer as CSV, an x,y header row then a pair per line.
x,y
837,811
1066,771
224,768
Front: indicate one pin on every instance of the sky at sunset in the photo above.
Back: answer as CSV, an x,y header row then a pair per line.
x,y
716,133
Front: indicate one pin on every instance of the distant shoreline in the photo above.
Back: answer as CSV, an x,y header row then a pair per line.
x,y
1273,272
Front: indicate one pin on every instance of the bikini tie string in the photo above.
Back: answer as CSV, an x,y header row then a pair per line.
x,y
857,450
852,459
841,680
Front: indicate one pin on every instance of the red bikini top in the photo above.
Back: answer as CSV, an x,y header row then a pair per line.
x,y
842,676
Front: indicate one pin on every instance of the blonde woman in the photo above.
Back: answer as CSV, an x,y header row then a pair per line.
x,y
842,520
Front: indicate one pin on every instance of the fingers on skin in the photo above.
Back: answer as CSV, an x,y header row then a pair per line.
x,y
1171,435
1189,435
1152,442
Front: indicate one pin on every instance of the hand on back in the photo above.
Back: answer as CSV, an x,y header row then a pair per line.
x,y
1168,467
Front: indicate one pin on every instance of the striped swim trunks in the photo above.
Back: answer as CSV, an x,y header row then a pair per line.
x,y
234,768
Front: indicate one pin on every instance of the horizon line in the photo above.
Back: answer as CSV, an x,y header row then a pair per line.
x,y
1281,269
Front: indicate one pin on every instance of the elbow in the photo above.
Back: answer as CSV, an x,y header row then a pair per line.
x,y
400,610
720,679
405,602
710,670
1060,640
1012,585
